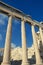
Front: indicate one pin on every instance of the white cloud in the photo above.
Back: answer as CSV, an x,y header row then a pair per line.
x,y
0,37
2,19
13,45
2,22
16,21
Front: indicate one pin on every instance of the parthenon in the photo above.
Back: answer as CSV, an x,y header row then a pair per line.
x,y
15,13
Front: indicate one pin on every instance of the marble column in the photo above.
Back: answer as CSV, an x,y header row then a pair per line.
x,y
6,56
37,54
41,34
24,49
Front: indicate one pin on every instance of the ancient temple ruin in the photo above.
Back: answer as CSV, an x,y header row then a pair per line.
x,y
13,12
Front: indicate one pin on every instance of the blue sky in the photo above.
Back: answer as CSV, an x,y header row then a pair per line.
x,y
34,8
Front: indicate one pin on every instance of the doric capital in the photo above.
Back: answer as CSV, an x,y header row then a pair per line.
x,y
23,19
9,15
32,24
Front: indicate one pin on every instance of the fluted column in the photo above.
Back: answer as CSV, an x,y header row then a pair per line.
x,y
41,34
24,49
6,57
37,54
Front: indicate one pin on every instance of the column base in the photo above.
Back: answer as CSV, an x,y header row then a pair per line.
x,y
25,63
5,63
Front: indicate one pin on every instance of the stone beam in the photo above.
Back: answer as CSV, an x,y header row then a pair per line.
x,y
6,9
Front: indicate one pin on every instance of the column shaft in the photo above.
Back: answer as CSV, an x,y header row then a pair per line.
x,y
6,57
37,54
41,34
24,49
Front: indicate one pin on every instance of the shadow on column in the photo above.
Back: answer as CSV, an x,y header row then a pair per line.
x,y
41,50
